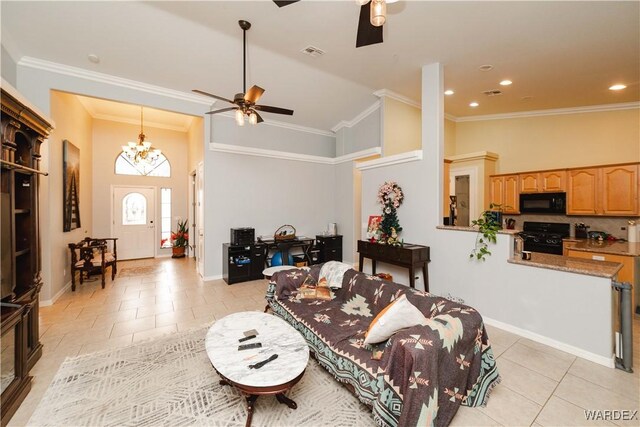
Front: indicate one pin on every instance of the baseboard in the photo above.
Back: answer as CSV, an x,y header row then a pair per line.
x,y
208,278
48,302
596,358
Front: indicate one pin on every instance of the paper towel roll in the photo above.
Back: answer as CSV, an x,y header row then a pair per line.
x,y
632,232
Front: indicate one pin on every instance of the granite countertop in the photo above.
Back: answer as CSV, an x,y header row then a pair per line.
x,y
605,246
473,229
572,265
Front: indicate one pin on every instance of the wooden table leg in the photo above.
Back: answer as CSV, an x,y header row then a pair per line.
x,y
373,267
361,263
412,277
250,401
285,400
425,273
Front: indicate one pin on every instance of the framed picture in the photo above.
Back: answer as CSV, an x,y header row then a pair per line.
x,y
373,229
71,186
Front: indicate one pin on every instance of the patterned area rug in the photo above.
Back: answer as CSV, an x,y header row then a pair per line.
x,y
139,271
170,382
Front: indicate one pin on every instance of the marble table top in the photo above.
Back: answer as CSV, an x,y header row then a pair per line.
x,y
270,271
276,336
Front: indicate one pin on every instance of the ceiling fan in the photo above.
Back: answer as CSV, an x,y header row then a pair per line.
x,y
245,102
372,18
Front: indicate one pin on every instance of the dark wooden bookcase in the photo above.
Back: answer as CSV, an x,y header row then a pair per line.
x,y
23,131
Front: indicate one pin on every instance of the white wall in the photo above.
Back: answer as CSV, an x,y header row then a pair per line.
x,y
270,137
73,123
108,139
344,208
8,67
362,135
263,193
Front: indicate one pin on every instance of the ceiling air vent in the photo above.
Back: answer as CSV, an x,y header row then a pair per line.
x,y
312,51
493,92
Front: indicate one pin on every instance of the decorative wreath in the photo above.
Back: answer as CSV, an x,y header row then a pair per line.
x,y
390,194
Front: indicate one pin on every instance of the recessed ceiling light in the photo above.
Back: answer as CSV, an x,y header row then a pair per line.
x,y
473,104
505,82
486,67
618,86
449,92
94,58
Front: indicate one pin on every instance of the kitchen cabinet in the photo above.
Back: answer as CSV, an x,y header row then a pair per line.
x,y
505,191
553,181
620,190
530,182
583,192
630,271
609,190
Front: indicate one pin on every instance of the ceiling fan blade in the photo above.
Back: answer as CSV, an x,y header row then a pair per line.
x,y
276,110
253,94
367,34
260,120
221,111
282,3
201,92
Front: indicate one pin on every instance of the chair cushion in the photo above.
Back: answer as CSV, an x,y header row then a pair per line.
x,y
97,260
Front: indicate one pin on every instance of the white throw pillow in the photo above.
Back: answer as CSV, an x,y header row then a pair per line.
x,y
331,274
399,314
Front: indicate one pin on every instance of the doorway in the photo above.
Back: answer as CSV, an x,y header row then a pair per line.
x,y
133,221
462,197
199,252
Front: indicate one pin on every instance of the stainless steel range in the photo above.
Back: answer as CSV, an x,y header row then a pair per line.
x,y
544,237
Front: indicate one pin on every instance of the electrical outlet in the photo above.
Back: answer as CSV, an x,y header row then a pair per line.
x,y
623,228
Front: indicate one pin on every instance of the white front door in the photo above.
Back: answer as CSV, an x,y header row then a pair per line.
x,y
133,220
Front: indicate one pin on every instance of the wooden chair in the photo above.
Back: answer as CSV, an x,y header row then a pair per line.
x,y
92,256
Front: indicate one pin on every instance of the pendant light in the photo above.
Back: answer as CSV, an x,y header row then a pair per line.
x,y
142,151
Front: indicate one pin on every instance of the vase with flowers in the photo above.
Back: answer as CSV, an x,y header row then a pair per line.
x,y
180,240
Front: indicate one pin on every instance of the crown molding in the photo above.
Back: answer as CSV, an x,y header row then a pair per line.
x,y
284,125
478,155
357,119
40,64
550,112
410,156
394,95
450,117
357,155
283,155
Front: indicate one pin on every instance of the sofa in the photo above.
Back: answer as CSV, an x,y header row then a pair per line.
x,y
424,373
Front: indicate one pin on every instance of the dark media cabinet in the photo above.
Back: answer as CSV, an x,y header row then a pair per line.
x,y
23,132
241,263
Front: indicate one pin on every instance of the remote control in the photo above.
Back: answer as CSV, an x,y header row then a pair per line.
x,y
250,337
249,346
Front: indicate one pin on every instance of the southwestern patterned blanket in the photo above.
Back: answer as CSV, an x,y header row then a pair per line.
x,y
426,372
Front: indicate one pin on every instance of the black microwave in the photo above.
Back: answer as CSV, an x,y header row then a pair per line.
x,y
543,203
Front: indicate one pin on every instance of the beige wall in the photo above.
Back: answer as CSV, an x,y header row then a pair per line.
x,y
449,138
547,142
108,138
195,137
74,124
402,127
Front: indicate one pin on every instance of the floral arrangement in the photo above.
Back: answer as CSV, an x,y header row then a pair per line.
x,y
179,239
390,196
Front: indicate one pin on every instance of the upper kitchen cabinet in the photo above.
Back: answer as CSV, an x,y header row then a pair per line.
x,y
553,181
609,190
543,182
505,191
620,190
583,193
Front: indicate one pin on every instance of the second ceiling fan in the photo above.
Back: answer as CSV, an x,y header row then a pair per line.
x,y
246,102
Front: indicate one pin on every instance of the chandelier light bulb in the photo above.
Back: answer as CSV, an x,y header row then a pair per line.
x,y
378,12
253,118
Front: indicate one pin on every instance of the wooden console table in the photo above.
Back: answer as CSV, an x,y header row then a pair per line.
x,y
409,256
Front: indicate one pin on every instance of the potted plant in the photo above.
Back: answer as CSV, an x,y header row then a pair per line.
x,y
180,240
489,223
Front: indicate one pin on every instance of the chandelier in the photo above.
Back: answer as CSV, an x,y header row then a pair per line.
x,y
141,151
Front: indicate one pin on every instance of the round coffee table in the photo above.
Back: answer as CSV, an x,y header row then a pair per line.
x,y
270,271
277,337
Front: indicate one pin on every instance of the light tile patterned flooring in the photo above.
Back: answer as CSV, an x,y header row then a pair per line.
x,y
540,385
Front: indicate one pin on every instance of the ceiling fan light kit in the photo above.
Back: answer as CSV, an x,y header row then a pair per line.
x,y
378,12
245,102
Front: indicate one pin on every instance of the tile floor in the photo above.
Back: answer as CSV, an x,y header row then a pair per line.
x,y
540,386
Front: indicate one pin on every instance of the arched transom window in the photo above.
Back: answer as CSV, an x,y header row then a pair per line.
x,y
125,166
